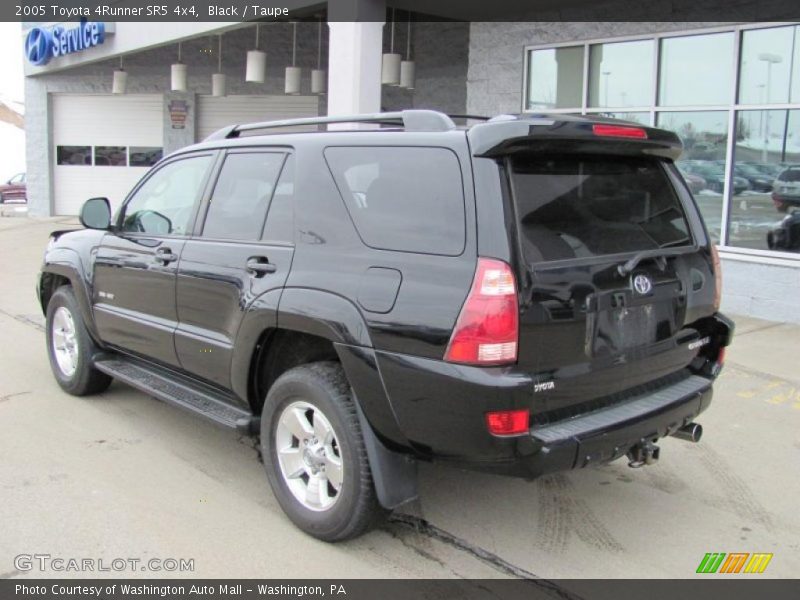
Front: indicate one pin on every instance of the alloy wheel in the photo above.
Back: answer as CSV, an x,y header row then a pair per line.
x,y
65,341
309,455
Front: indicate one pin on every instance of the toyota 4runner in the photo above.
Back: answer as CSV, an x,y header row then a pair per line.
x,y
526,295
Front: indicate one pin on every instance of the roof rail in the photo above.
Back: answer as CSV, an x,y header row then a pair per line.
x,y
409,120
470,117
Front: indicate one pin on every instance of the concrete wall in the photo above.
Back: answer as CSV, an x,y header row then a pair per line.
x,y
440,52
761,290
149,72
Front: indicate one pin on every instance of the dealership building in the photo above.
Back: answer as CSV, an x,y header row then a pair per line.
x,y
731,91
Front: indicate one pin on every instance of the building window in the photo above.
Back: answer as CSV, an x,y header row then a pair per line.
x,y
696,70
621,74
770,67
144,156
110,156
74,155
640,117
746,182
702,164
555,78
765,206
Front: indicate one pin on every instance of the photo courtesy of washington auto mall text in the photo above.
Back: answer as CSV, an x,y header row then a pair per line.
x,y
398,299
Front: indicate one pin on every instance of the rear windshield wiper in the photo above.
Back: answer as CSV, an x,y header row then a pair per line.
x,y
659,253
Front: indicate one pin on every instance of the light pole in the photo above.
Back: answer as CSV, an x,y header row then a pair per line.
x,y
607,75
770,59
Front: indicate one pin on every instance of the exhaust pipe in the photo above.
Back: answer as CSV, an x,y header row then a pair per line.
x,y
690,433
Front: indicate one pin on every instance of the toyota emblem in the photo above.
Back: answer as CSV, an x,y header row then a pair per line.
x,y
642,284
39,46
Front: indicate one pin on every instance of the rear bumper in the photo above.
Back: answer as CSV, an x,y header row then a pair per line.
x,y
608,434
440,409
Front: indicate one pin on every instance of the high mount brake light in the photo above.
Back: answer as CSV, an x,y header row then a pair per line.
x,y
619,131
487,329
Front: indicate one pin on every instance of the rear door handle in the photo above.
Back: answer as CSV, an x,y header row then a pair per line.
x,y
259,265
165,255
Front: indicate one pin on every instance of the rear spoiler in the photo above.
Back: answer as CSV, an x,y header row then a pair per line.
x,y
560,134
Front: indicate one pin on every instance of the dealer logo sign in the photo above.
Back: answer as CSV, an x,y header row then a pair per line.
x,y
42,44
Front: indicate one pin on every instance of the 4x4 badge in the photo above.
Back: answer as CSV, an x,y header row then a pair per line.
x,y
642,284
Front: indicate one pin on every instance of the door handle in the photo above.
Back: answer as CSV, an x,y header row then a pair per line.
x,y
165,255
259,265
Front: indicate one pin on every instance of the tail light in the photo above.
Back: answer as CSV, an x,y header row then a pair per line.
x,y
717,268
619,131
508,422
487,329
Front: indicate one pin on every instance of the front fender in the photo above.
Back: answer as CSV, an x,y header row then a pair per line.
x,y
65,262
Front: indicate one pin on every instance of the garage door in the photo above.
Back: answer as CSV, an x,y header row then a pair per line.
x,y
215,113
104,145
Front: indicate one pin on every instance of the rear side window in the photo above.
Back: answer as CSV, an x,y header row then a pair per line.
x,y
406,199
583,206
241,195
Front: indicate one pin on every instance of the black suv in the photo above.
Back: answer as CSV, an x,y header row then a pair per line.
x,y
527,295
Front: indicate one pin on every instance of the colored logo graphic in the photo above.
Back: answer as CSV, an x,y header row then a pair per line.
x,y
43,44
39,46
735,562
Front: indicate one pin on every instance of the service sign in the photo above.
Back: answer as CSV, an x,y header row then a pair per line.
x,y
43,44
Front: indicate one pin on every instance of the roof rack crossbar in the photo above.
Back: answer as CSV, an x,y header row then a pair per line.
x,y
410,120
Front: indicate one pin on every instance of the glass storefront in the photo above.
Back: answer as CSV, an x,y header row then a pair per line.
x,y
737,116
705,139
557,73
621,74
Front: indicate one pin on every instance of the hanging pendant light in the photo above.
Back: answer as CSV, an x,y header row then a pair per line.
x,y
318,74
390,65
407,67
256,71
293,73
179,74
120,82
218,79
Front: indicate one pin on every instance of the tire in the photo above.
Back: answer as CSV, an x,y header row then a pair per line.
x,y
70,348
320,394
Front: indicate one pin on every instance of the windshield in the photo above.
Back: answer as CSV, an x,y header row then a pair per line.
x,y
582,206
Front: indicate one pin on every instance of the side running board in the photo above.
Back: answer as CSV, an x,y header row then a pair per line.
x,y
176,390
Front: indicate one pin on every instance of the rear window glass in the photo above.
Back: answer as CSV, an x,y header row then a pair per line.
x,y
407,199
583,206
790,175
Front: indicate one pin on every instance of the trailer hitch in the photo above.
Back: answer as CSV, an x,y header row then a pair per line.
x,y
643,453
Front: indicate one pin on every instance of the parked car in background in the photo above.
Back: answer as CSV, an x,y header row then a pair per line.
x,y
785,235
771,170
786,189
714,174
759,182
695,182
14,189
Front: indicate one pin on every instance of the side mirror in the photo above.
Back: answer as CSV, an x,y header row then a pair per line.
x,y
96,213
